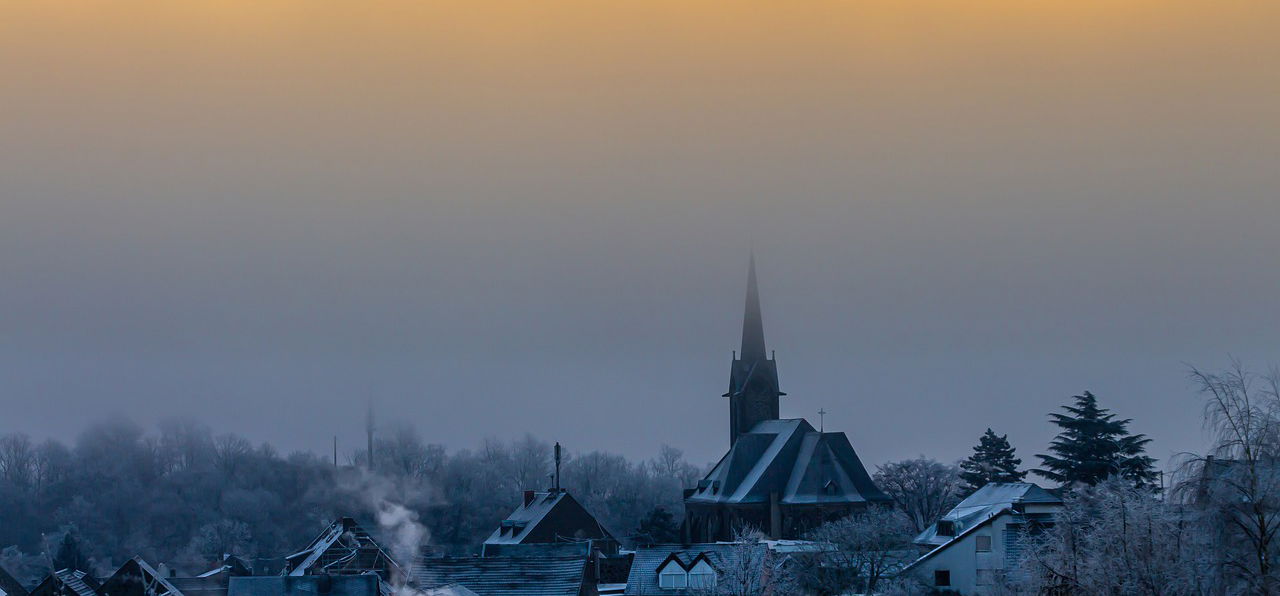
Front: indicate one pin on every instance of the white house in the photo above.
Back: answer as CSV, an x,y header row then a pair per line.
x,y
973,544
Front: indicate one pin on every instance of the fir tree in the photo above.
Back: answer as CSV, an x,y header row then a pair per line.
x,y
69,555
658,527
1093,445
993,460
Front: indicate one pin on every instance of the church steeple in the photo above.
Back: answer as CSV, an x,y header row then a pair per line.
x,y
752,320
753,378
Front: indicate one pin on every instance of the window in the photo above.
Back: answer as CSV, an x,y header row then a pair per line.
x,y
672,577
946,528
982,543
942,578
702,576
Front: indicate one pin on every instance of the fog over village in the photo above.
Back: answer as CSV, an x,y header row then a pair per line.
x,y
639,298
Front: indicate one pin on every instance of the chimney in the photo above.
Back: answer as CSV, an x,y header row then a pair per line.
x,y
528,497
557,485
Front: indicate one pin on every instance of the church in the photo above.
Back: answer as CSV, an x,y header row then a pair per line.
x,y
780,475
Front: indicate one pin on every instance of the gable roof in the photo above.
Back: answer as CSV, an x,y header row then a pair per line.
x,y
136,577
345,547
979,510
649,559
793,459
9,585
525,524
984,503
514,576
75,581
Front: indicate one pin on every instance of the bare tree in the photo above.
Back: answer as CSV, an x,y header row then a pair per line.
x,y
857,552
922,488
230,451
751,568
1240,481
17,460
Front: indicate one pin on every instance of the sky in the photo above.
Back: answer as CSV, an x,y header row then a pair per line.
x,y
493,218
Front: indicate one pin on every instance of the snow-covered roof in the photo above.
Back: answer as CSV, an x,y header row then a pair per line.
x,y
345,548
649,559
507,576
791,458
79,582
983,504
564,517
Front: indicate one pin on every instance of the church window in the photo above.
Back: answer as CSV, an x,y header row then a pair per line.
x,y
942,578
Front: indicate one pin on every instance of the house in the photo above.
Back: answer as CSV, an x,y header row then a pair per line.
x,y
549,517
67,582
554,524
344,548
10,586
138,578
367,584
691,569
506,576
780,476
216,581
970,549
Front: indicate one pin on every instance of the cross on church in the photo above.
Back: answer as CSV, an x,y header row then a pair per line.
x,y
822,420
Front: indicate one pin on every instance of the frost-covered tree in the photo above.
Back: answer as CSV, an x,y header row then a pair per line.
x,y
922,488
1238,485
1094,445
857,552
753,569
69,554
1116,538
993,460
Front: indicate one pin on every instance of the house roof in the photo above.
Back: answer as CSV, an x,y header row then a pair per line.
x,y
344,547
139,573
79,582
793,459
513,576
524,521
985,502
649,559
979,510
9,585
331,585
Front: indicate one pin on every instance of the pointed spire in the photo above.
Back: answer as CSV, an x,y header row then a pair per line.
x,y
752,321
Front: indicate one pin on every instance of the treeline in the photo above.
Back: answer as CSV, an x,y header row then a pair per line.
x,y
183,495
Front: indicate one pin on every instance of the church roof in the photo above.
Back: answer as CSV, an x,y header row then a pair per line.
x,y
793,459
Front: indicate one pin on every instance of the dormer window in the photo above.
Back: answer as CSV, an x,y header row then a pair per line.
x,y
702,576
946,528
673,577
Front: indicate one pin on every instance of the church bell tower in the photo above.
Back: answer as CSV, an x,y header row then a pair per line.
x,y
753,379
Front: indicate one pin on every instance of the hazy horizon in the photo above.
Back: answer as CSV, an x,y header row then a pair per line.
x,y
495,218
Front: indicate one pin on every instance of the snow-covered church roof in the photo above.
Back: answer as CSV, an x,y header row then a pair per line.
x,y
793,459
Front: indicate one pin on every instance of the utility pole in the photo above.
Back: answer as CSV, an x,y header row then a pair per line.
x,y
335,451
